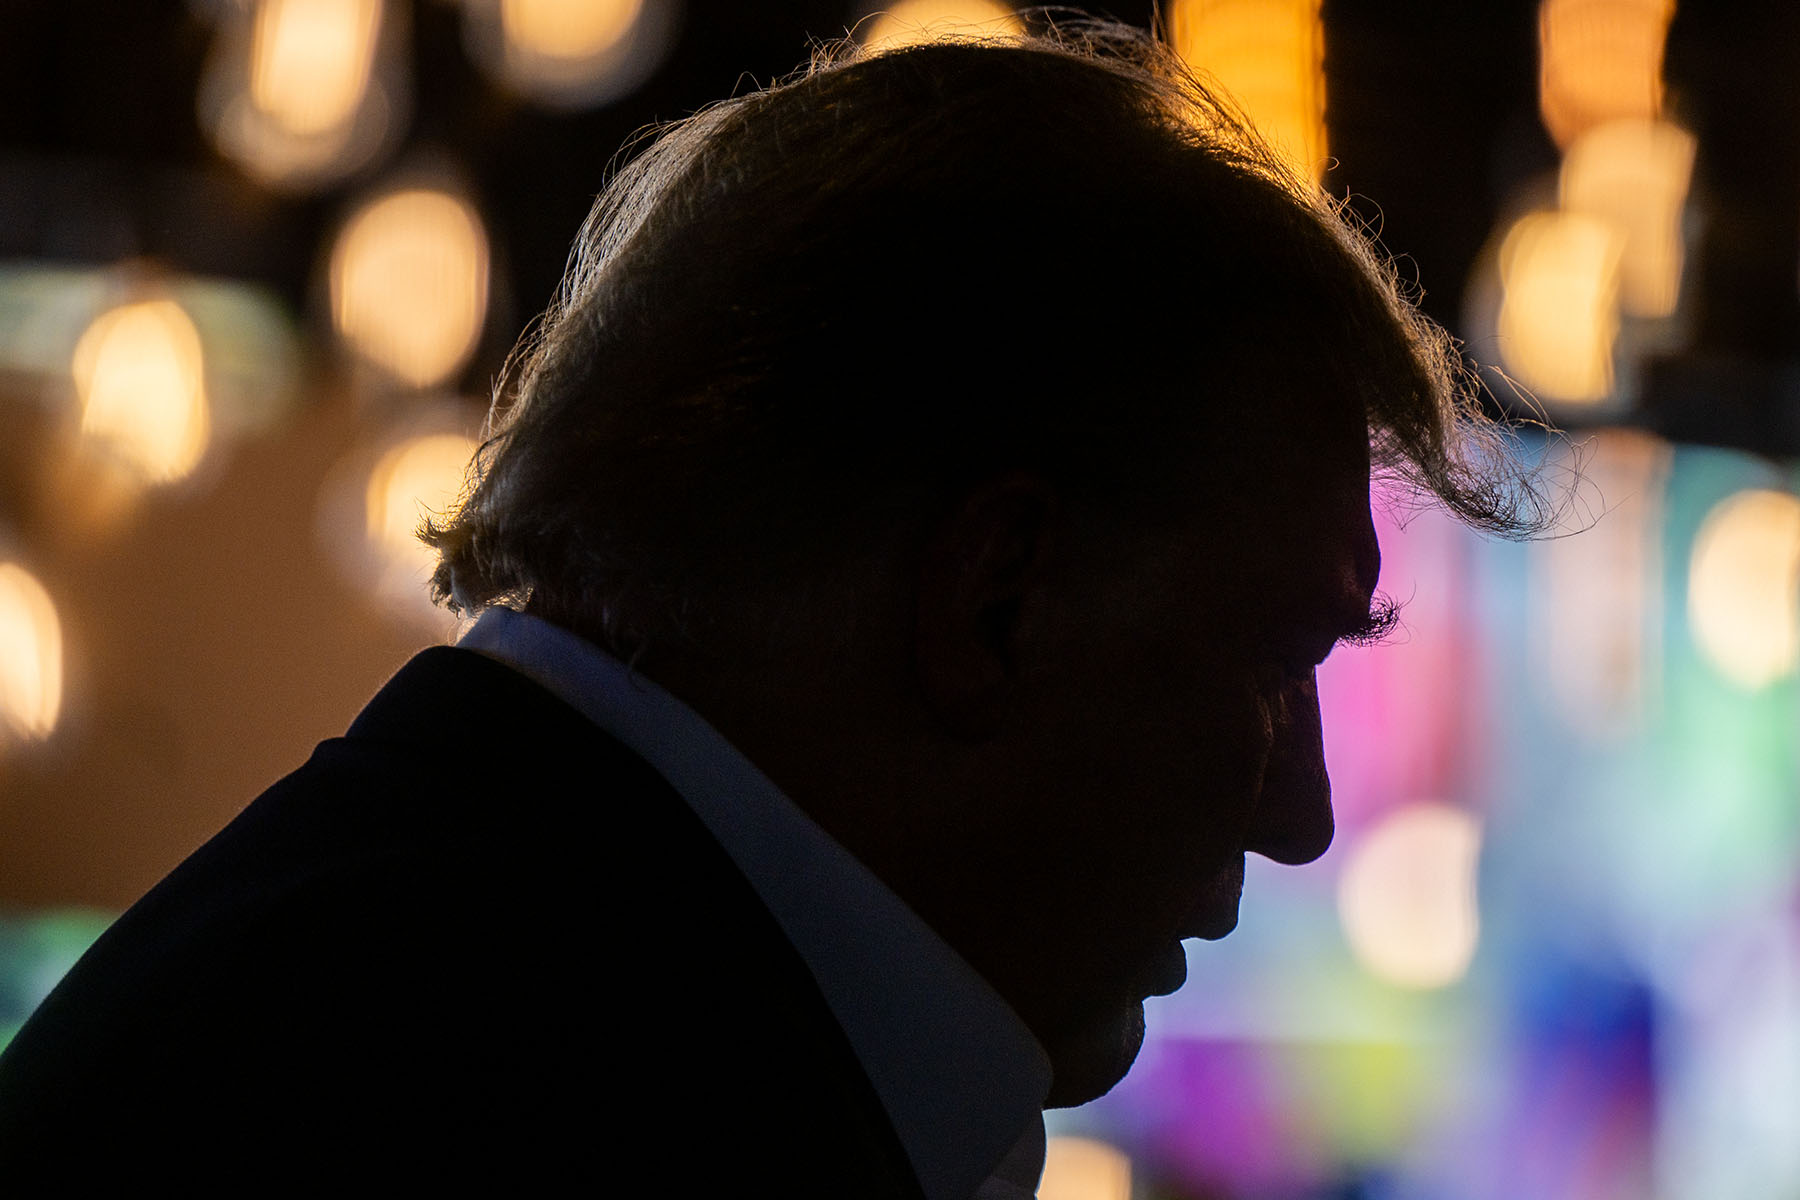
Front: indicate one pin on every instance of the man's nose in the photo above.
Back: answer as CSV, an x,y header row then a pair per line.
x,y
1293,822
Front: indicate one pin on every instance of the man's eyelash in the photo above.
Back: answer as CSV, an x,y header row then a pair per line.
x,y
1382,621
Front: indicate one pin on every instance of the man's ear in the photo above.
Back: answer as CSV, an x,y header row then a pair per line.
x,y
979,575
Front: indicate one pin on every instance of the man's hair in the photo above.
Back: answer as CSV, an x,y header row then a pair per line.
x,y
804,316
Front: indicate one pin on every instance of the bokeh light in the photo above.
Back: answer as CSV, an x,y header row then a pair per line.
x,y
1406,896
420,475
1634,173
1599,60
409,281
141,378
1744,587
252,348
1559,278
1270,55
1081,1168
571,30
568,54
910,22
299,93
31,656
310,61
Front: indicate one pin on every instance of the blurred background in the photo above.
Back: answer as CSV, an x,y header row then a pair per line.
x,y
260,261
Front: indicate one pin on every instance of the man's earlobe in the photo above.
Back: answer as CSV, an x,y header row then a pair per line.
x,y
978,571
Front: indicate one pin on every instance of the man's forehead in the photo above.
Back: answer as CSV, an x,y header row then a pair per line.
x,y
1327,548
1296,523
1282,483
1366,556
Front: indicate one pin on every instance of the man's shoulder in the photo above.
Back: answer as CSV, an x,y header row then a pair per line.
x,y
475,916
461,785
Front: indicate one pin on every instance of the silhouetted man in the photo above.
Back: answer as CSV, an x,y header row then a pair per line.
x,y
902,554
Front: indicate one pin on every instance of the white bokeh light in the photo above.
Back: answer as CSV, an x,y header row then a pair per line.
x,y
1744,587
1406,897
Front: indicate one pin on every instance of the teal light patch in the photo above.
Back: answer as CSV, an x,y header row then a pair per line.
x,y
36,951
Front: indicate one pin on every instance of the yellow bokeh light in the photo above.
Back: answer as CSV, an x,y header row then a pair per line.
x,y
299,93
567,29
1078,1168
1406,897
1744,587
911,22
1599,60
1270,55
569,54
419,475
1634,173
31,672
409,277
140,375
310,61
1559,278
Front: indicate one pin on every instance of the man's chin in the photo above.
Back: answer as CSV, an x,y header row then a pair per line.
x,y
1088,1063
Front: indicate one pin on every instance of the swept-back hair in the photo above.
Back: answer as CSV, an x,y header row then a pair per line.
x,y
804,314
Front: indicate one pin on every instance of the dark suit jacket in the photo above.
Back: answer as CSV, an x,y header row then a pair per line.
x,y
474,940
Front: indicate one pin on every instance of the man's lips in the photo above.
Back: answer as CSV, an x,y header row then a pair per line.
x,y
1214,917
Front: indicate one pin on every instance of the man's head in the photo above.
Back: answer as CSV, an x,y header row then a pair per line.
x,y
980,436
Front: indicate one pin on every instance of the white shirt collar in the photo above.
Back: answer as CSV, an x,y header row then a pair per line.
x,y
962,1079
